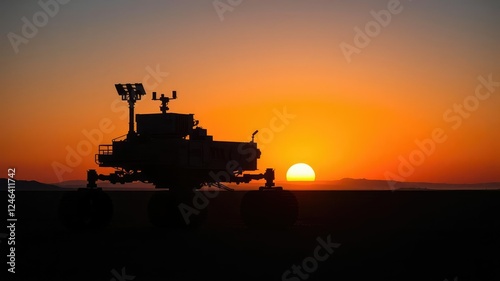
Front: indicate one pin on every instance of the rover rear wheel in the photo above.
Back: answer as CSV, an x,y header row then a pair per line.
x,y
269,209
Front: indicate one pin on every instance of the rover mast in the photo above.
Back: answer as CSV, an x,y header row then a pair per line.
x,y
130,93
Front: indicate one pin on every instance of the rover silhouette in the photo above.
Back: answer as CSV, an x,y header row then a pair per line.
x,y
174,153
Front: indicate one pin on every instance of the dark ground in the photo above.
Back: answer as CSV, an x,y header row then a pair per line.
x,y
384,235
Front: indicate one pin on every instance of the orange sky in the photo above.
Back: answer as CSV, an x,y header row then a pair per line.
x,y
352,119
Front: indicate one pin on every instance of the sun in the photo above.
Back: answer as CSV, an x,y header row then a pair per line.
x,y
300,172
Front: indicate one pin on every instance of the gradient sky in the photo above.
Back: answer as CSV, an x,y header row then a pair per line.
x,y
355,119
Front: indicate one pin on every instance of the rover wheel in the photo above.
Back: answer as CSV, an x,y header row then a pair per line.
x,y
85,209
171,209
271,209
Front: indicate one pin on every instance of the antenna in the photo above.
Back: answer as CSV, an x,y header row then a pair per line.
x,y
164,101
253,135
130,93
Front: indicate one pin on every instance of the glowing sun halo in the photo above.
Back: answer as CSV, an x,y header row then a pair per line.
x,y
300,172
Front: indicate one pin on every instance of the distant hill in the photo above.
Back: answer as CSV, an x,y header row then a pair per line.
x,y
30,185
83,183
367,184
384,185
343,184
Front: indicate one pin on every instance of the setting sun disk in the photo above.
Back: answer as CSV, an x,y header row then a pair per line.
x,y
300,172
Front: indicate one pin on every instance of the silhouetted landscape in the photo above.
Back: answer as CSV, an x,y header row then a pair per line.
x,y
383,235
343,184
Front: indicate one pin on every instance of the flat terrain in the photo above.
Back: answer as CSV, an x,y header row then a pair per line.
x,y
383,235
